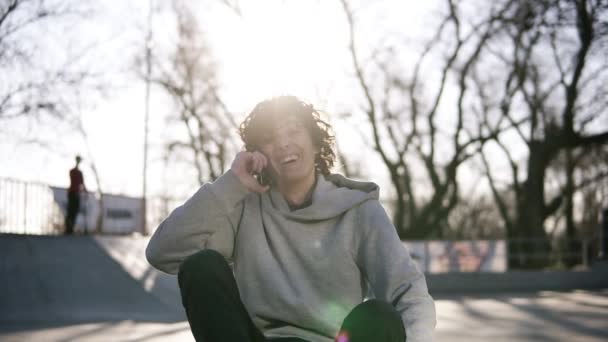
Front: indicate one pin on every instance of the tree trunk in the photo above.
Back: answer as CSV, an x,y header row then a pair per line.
x,y
420,228
400,206
530,248
572,245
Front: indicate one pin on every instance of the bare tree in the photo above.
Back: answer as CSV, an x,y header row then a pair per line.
x,y
233,5
406,124
533,70
45,85
189,77
37,87
475,218
552,90
580,171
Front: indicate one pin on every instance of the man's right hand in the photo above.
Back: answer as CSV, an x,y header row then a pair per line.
x,y
245,165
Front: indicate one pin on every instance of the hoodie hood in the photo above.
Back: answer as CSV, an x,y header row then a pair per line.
x,y
333,195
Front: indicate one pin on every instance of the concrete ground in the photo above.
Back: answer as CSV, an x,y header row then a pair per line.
x,y
539,316
545,316
111,294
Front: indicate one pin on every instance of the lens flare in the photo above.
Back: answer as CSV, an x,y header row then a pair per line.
x,y
342,337
334,312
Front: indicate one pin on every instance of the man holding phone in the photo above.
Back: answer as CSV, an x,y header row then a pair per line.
x,y
307,247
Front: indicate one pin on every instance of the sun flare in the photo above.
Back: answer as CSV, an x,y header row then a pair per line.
x,y
278,49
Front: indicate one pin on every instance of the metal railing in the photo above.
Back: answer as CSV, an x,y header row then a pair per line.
x,y
555,253
31,208
27,208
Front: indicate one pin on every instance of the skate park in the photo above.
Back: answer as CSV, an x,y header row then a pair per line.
x,y
96,285
483,127
100,288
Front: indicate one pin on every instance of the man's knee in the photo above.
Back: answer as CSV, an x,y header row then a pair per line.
x,y
202,265
374,320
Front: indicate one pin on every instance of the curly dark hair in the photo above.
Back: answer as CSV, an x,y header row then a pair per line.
x,y
255,127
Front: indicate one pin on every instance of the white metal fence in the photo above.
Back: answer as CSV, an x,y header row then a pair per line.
x,y
28,208
39,209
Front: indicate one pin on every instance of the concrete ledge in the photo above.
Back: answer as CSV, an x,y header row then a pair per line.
x,y
74,279
516,281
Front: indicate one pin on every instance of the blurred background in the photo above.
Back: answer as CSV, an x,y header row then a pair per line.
x,y
484,123
479,121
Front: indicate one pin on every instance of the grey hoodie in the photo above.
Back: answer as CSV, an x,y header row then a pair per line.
x,y
300,272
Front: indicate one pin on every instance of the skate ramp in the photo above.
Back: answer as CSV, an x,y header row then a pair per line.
x,y
54,280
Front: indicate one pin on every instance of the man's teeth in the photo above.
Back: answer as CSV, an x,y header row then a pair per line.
x,y
289,158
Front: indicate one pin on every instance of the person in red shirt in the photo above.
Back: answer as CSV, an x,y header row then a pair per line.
x,y
76,187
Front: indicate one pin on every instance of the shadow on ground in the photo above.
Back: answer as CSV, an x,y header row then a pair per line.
x,y
578,315
84,288
52,281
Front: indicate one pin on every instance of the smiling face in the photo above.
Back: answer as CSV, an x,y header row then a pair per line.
x,y
294,138
290,152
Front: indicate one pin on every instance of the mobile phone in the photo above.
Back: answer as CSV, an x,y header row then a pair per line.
x,y
263,177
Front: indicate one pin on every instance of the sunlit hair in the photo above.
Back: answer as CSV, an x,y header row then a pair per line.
x,y
254,129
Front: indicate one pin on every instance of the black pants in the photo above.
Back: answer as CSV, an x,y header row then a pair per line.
x,y
215,311
72,212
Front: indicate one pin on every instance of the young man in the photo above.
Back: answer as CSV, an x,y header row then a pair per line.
x,y
76,187
306,249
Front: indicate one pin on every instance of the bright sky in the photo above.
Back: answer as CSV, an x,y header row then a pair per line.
x,y
277,47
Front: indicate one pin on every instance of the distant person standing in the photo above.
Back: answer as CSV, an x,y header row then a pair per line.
x,y
76,187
